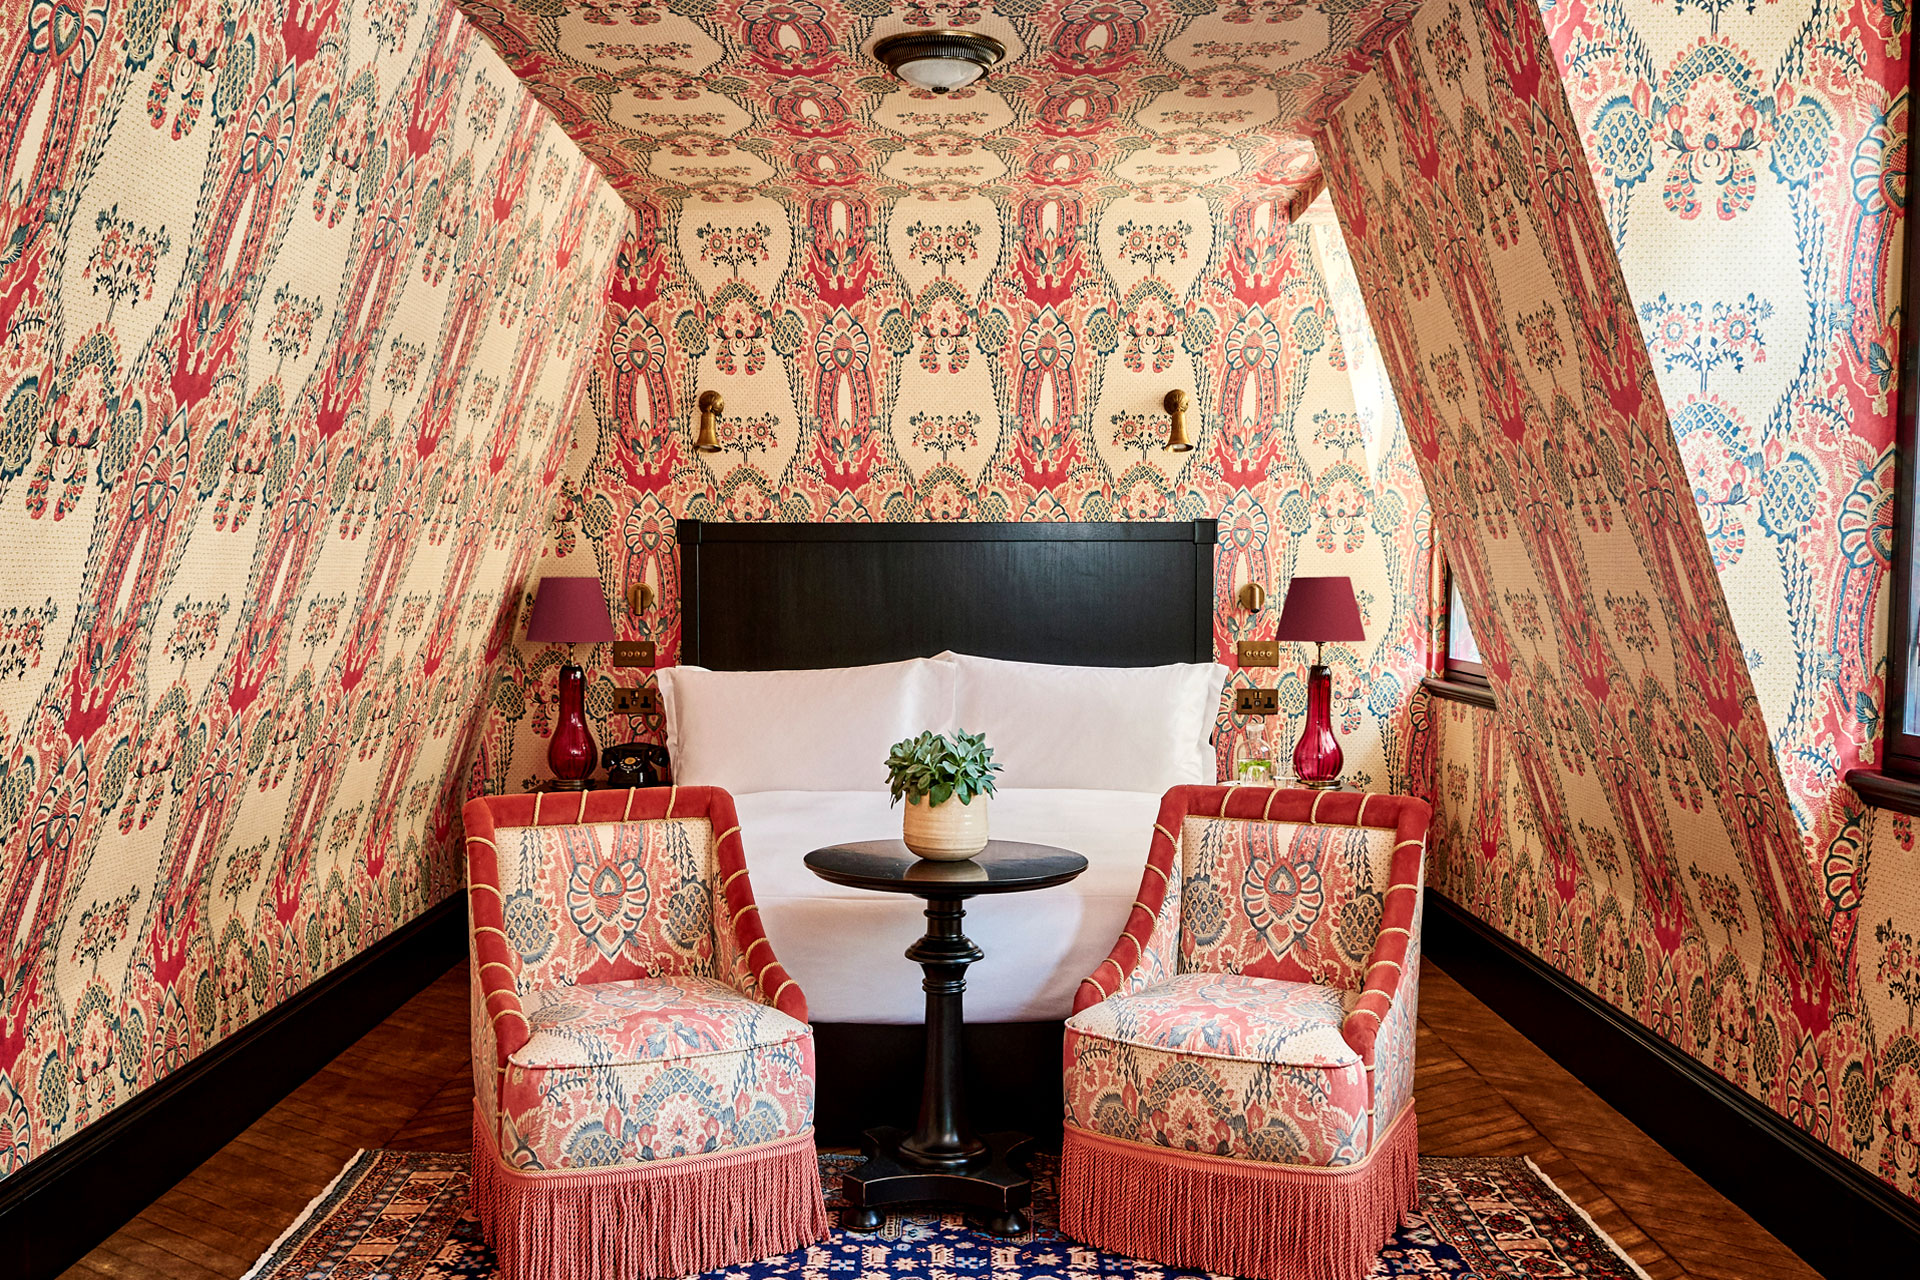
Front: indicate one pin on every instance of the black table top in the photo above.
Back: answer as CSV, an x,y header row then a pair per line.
x,y
888,866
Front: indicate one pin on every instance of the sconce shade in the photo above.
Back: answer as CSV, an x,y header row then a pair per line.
x,y
711,406
1320,609
570,611
1178,441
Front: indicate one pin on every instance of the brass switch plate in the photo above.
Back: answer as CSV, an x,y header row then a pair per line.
x,y
1256,702
1254,653
629,701
633,653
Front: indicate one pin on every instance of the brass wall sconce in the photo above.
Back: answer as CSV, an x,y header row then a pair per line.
x,y
1176,406
711,407
639,597
1252,596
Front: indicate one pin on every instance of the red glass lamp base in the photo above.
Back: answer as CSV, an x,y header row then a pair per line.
x,y
1317,759
572,753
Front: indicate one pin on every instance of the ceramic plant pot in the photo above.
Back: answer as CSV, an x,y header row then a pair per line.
x,y
947,832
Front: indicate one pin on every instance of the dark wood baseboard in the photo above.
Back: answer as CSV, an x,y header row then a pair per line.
x,y
76,1195
1845,1222
870,1075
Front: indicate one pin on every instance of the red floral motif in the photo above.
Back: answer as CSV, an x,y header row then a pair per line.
x,y
607,894
1280,901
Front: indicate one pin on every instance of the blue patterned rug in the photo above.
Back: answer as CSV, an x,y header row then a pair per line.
x,y
403,1215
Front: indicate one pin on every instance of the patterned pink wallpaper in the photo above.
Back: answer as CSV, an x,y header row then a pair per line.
x,y
969,307
1638,811
959,381
295,301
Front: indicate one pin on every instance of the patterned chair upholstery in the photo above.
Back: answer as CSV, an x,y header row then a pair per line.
x,y
643,1068
1239,1071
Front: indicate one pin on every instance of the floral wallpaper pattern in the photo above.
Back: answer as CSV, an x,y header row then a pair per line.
x,y
1640,810
969,307
296,301
945,388
1154,98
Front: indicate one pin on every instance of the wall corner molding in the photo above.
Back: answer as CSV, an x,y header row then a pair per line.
x,y
69,1199
1836,1215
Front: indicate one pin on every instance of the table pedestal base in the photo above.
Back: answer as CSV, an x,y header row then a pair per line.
x,y
997,1186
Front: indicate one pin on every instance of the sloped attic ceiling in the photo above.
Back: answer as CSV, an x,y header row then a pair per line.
x,y
1148,98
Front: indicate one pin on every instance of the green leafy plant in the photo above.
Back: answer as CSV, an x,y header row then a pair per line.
x,y
933,769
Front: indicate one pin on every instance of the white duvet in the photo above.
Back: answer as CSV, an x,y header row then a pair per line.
x,y
845,946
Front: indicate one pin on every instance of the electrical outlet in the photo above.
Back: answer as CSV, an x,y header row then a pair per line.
x,y
1259,653
633,653
629,701
1256,702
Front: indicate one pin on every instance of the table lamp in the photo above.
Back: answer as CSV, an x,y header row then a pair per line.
x,y
1319,610
571,611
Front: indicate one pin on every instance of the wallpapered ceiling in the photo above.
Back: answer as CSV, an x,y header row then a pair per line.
x,y
1153,98
1623,815
293,298
982,373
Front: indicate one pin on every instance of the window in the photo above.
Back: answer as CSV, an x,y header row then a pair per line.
x,y
1896,783
1462,675
1463,655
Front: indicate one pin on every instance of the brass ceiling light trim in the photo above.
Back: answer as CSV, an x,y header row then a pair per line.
x,y
711,407
1177,439
939,61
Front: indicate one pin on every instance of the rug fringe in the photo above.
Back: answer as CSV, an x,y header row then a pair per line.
x,y
672,1218
350,1169
1586,1217
1235,1217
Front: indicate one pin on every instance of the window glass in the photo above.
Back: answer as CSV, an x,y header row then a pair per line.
x,y
1460,642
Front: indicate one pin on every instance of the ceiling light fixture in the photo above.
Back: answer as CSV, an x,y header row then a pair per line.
x,y
939,61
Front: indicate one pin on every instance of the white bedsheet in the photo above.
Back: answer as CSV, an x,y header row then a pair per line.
x,y
844,946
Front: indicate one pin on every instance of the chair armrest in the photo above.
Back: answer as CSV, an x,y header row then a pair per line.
x,y
758,972
1399,918
496,967
1152,932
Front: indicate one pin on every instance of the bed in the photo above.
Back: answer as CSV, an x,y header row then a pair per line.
x,y
773,598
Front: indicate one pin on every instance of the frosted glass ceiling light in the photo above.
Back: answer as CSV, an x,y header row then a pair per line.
x,y
939,61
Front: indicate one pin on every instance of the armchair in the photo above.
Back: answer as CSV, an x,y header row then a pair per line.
x,y
1239,1070
643,1067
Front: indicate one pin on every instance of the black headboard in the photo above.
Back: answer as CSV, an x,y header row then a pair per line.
x,y
756,597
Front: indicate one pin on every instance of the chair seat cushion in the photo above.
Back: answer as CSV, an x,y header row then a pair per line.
x,y
620,1073
1224,1065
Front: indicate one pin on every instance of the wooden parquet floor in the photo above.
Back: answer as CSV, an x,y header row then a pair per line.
x,y
1483,1090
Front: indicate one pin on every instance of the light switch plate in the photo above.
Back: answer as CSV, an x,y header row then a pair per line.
x,y
633,653
1256,702
629,701
1258,653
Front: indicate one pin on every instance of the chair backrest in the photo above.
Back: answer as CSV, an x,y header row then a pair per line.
x,y
606,901
1282,899
601,886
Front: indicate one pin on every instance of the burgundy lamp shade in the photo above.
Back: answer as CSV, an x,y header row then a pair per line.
x,y
1320,610
570,611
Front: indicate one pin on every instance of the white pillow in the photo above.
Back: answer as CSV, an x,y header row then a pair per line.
x,y
1092,728
824,730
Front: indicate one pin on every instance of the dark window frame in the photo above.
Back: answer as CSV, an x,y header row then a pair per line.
x,y
1895,782
1458,678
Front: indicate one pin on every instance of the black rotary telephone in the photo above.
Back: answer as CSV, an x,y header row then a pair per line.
x,y
636,764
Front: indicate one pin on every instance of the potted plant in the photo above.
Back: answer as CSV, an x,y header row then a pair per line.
x,y
946,785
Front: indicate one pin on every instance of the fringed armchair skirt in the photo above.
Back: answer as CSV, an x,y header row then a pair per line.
x,y
643,1067
1239,1071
